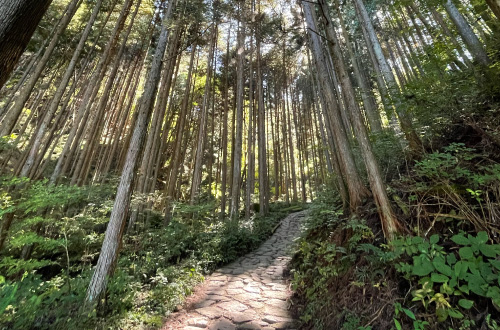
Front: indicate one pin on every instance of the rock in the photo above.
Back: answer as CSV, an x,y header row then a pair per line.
x,y
238,317
222,325
251,289
283,295
210,312
233,306
249,326
205,303
271,319
198,322
277,303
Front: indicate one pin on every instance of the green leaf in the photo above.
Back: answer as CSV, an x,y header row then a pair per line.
x,y
466,253
460,239
486,271
451,259
465,303
397,324
442,314
493,292
453,282
422,266
460,269
476,283
410,314
442,267
482,237
455,314
434,239
438,278
464,289
495,263
416,240
487,250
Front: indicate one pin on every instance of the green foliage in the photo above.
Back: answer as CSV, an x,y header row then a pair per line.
x,y
443,97
446,280
62,227
458,183
319,261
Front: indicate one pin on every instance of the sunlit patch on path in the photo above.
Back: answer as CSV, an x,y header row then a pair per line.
x,y
249,293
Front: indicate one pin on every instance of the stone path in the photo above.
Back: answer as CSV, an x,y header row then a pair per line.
x,y
249,293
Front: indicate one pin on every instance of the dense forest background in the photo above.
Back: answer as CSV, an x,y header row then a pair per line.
x,y
144,143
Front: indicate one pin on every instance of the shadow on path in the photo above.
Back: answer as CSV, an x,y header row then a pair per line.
x,y
249,293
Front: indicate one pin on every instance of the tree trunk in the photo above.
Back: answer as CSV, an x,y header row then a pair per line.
x,y
468,35
200,150
13,113
262,144
411,136
114,232
240,89
370,107
250,185
224,133
494,6
357,191
177,152
18,21
390,224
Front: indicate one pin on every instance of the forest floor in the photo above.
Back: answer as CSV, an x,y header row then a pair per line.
x,y
250,293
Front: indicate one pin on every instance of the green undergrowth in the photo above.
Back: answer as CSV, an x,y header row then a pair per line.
x,y
444,273
55,240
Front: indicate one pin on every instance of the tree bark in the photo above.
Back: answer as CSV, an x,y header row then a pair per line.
x,y
200,150
494,6
468,35
18,21
262,144
240,84
177,152
406,124
390,225
356,189
114,232
13,113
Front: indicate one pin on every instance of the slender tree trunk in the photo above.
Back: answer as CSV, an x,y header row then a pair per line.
x,y
200,149
177,152
69,73
411,136
468,35
250,186
225,119
240,84
356,189
390,224
114,232
369,106
262,144
494,6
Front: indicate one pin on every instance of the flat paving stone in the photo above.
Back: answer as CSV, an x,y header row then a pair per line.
x,y
247,294
243,317
222,325
198,323
233,306
210,312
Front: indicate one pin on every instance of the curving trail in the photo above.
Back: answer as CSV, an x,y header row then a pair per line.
x,y
249,293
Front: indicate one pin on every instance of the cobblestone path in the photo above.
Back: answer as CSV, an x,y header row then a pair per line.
x,y
249,293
